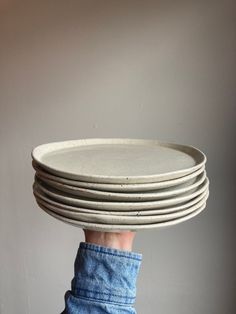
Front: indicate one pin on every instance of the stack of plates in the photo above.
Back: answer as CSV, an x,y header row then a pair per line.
x,y
120,184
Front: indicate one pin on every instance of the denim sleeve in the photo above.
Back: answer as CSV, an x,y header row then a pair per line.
x,y
104,281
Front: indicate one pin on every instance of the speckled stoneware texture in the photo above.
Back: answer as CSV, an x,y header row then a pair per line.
x,y
120,184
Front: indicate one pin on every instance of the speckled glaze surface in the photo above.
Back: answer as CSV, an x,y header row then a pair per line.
x,y
41,195
118,160
117,219
130,197
118,228
105,205
117,187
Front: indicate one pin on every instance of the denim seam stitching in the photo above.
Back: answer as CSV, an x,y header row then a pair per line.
x,y
109,294
103,301
109,253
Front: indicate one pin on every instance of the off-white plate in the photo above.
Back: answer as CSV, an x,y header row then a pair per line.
x,y
119,187
41,195
103,205
118,160
117,228
126,197
121,220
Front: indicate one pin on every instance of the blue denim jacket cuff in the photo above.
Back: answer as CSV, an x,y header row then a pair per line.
x,y
105,274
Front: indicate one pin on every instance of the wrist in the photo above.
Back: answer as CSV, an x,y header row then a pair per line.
x,y
120,241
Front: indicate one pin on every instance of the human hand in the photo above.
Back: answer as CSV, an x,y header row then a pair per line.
x,y
116,240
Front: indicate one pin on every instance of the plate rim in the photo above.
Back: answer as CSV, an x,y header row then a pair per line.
x,y
118,187
125,205
123,196
117,218
145,212
38,151
105,227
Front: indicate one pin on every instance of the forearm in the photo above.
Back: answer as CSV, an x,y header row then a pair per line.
x,y
104,281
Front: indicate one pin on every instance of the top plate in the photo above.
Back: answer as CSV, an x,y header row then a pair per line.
x,y
118,160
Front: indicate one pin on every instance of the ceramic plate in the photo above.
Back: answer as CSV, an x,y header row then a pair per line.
x,y
118,160
40,195
121,220
104,205
117,228
136,187
129,197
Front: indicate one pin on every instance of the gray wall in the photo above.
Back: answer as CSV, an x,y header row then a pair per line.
x,y
142,69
